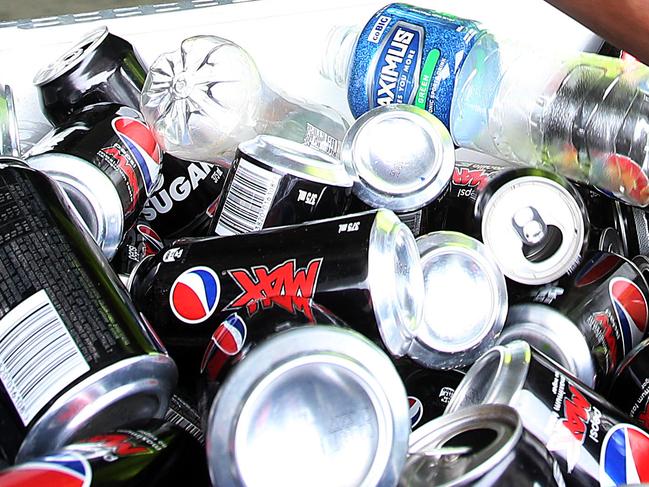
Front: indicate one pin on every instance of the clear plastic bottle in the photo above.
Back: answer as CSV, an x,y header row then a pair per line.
x,y
205,98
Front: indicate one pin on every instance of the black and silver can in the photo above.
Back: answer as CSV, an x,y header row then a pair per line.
x,y
535,224
300,398
153,453
108,162
101,67
183,202
75,355
275,182
365,268
587,321
630,387
591,439
482,445
138,243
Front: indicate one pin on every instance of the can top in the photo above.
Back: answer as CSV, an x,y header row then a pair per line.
x,y
495,378
461,447
402,156
534,223
287,156
72,57
466,300
91,193
9,138
396,281
310,402
552,333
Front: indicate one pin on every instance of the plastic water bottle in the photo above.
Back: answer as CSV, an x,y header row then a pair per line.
x,y
205,98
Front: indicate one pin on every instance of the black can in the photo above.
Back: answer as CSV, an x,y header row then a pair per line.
x,y
365,268
184,201
69,329
101,67
108,162
591,439
429,391
275,182
630,388
481,445
154,453
293,383
138,243
587,321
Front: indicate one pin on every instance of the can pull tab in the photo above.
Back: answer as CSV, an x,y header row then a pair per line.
x,y
540,241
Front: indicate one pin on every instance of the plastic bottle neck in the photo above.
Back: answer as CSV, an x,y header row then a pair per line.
x,y
339,50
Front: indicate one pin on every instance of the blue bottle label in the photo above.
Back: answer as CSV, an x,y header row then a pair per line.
x,y
395,77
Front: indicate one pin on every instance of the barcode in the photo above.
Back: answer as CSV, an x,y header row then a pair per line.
x,y
38,357
248,201
177,419
318,139
412,221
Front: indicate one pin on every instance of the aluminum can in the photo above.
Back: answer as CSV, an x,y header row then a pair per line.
x,y
183,202
101,67
108,162
301,399
68,329
9,137
482,445
535,224
588,321
365,268
152,453
138,243
466,301
593,442
275,182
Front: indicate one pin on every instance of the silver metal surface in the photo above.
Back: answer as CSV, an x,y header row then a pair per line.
x,y
290,157
396,281
129,390
317,406
92,194
555,206
402,157
72,57
432,462
550,332
494,378
9,138
466,301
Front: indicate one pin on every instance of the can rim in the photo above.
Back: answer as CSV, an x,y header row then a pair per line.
x,y
293,348
442,164
500,418
287,156
10,138
152,375
65,62
87,186
553,327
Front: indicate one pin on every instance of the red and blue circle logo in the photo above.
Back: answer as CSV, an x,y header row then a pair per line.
x,y
64,470
230,335
625,456
195,294
142,145
631,310
416,411
152,241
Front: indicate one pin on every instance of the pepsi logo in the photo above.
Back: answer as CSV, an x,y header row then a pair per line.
x,y
195,294
63,470
143,147
596,268
229,337
416,411
153,242
625,456
631,310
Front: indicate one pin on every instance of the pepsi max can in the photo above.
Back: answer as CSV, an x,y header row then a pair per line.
x,y
138,243
283,367
630,388
184,200
101,67
154,453
587,321
107,161
593,442
274,182
363,267
75,355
